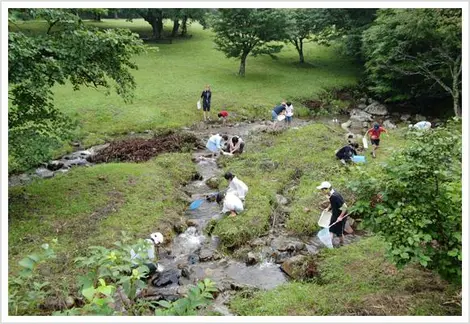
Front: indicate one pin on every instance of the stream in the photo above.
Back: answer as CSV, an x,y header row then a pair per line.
x,y
193,255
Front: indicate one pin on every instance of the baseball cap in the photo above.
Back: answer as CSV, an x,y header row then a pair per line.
x,y
324,185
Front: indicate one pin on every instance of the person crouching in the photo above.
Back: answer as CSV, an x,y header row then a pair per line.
x,y
346,153
231,203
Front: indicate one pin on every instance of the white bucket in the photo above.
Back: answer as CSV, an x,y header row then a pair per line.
x,y
325,218
364,142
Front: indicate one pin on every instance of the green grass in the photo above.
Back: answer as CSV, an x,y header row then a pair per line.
x,y
91,206
356,280
309,150
170,81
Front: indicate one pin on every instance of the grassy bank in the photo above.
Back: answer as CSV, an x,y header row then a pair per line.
x,y
356,280
293,164
91,206
171,78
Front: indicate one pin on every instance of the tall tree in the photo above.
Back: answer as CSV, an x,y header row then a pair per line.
x,y
243,32
73,53
308,25
410,51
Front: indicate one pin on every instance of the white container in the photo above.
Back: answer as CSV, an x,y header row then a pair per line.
x,y
364,142
198,104
325,218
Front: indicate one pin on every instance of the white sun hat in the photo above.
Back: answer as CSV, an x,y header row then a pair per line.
x,y
324,185
157,238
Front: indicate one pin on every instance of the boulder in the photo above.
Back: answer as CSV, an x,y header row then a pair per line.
x,y
213,182
419,118
363,100
251,259
257,242
377,109
166,277
166,293
362,106
206,254
389,125
290,265
192,222
55,165
44,173
405,117
346,125
360,116
281,200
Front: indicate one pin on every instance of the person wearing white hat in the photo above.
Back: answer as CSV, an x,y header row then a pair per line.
x,y
153,242
338,210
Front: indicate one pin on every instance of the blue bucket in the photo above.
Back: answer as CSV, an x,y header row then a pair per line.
x,y
359,159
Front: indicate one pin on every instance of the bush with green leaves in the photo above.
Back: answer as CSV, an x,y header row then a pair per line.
x,y
198,296
416,202
25,291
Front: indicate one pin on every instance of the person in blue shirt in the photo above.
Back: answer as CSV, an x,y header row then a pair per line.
x,y
278,110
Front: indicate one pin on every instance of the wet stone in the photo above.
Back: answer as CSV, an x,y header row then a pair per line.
x,y
166,277
44,173
251,259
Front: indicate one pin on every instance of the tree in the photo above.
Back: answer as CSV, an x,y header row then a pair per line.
x,y
410,51
240,32
415,204
73,53
308,25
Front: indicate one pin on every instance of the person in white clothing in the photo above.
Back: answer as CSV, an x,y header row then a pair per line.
x,y
154,241
215,143
236,186
231,203
289,113
422,125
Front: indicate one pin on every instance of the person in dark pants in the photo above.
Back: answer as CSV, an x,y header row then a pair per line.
x,y
347,152
235,145
206,101
338,210
278,110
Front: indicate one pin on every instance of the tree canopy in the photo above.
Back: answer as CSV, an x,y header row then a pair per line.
x,y
71,53
243,32
412,53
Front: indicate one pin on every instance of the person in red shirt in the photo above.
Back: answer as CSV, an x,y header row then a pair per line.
x,y
223,114
374,134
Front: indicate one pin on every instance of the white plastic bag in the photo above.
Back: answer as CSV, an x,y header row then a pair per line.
x,y
198,104
325,237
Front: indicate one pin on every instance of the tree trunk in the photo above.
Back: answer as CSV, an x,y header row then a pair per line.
x,y
159,24
116,15
301,51
154,28
457,72
176,25
97,17
184,26
241,71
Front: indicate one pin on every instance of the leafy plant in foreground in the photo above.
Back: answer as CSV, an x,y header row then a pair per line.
x,y
416,203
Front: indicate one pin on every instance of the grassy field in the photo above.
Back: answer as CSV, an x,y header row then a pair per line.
x,y
91,206
171,78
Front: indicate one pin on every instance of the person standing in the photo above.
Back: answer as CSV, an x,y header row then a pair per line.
x,y
236,186
289,113
215,143
374,134
206,102
338,210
